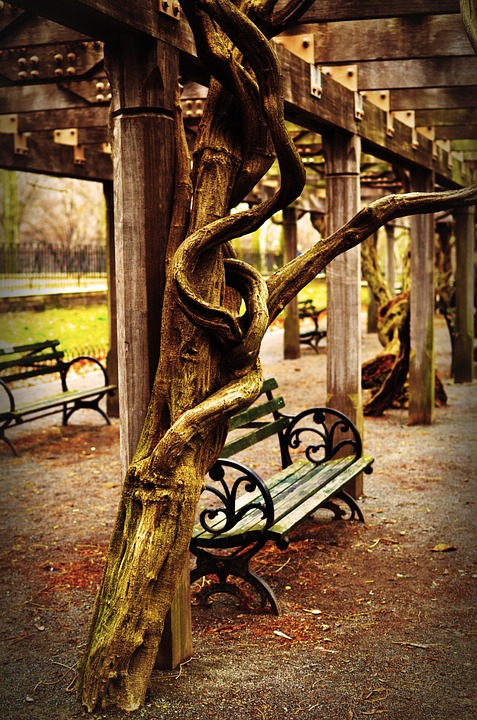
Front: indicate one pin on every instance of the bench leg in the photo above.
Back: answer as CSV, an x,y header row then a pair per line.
x,y
234,566
352,504
82,405
8,442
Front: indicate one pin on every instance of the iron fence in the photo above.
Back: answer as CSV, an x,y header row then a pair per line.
x,y
43,266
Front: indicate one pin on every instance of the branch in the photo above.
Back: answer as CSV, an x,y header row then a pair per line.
x,y
468,9
284,284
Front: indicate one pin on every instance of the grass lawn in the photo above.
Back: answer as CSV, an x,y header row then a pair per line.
x,y
80,329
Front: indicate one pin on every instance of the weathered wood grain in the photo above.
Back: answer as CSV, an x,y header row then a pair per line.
x,y
343,282
422,362
417,36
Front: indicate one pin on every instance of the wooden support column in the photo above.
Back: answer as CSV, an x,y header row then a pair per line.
x,y
390,259
343,282
291,347
422,362
112,401
464,285
144,74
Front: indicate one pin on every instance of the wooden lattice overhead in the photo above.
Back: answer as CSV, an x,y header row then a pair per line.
x,y
402,77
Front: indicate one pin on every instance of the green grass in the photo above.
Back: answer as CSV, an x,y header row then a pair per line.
x,y
80,329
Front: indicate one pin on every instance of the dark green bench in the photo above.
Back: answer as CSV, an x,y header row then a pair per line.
x,y
321,452
23,362
313,332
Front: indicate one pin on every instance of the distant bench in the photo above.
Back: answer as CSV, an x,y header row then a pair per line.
x,y
243,511
313,333
23,362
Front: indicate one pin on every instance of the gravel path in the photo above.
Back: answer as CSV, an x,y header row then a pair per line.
x,y
376,620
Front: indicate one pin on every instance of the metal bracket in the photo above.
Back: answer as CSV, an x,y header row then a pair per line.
x,y
20,145
382,99
358,106
171,8
66,136
78,156
316,88
9,124
430,134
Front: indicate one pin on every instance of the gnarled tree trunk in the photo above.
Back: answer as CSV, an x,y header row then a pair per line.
x,y
209,366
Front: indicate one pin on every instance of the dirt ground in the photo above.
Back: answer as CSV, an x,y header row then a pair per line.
x,y
376,619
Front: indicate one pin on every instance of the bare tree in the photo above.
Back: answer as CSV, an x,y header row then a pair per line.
x,y
209,365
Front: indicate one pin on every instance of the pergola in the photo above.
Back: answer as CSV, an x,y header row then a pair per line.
x,y
394,81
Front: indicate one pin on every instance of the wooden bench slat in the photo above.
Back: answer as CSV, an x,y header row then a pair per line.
x,y
255,412
57,400
26,374
33,347
290,520
253,437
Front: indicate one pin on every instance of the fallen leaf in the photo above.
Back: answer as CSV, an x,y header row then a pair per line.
x,y
313,612
281,634
442,547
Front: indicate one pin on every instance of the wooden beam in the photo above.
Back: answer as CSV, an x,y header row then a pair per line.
x,y
425,73
9,17
445,117
418,36
330,10
456,132
79,117
49,158
107,19
39,98
433,98
32,30
56,62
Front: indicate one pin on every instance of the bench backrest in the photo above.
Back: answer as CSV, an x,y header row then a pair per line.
x,y
261,420
20,362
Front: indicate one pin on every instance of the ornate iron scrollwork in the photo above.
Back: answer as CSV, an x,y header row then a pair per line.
x,y
228,493
322,434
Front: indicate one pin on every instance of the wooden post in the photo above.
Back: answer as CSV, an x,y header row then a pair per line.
x,y
464,285
390,260
112,401
291,347
343,281
144,74
422,363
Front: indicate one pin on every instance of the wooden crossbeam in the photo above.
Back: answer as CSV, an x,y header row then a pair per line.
x,y
79,117
330,10
394,38
434,98
424,73
440,118
49,158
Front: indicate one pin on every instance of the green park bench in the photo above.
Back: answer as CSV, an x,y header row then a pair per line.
x,y
312,332
24,362
239,511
